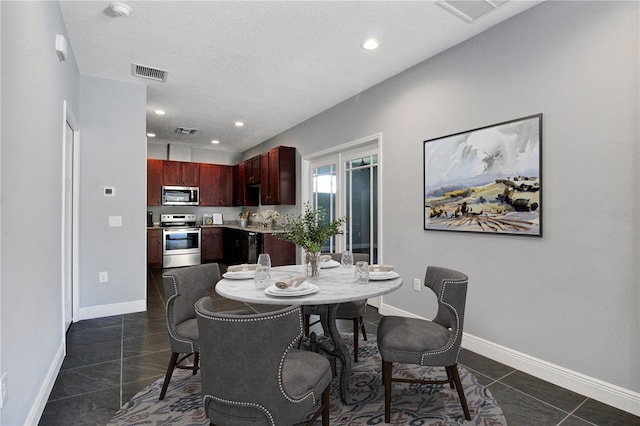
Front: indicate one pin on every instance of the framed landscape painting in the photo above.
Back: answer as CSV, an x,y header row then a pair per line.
x,y
486,180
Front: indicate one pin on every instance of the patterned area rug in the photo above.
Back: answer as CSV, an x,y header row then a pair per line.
x,y
412,404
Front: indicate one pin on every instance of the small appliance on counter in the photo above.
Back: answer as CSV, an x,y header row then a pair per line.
x,y
149,218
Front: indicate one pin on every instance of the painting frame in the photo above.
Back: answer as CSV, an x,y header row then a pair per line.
x,y
486,180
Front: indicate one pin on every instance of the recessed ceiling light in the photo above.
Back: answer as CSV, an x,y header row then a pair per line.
x,y
215,141
159,112
370,44
151,135
239,123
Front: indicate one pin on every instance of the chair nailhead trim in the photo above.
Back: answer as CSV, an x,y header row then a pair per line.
x,y
457,335
241,404
292,344
170,307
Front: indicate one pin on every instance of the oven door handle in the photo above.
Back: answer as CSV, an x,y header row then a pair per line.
x,y
180,230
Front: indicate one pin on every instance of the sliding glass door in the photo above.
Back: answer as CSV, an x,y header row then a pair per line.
x,y
345,183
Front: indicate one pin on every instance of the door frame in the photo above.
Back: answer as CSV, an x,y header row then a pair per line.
x,y
307,183
69,117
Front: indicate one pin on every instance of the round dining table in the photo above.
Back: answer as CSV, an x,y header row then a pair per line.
x,y
335,284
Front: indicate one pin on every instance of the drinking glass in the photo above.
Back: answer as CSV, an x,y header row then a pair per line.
x,y
347,259
264,259
362,272
262,277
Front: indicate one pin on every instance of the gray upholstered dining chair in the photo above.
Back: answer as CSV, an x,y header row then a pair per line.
x,y
349,310
252,373
427,343
183,287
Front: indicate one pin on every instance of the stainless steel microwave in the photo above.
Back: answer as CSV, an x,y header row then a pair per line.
x,y
180,196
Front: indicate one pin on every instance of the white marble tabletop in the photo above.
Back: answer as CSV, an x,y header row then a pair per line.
x,y
336,285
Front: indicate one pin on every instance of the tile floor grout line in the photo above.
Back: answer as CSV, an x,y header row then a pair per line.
x,y
538,399
571,414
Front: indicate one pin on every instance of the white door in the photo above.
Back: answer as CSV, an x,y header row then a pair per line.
x,y
68,220
347,185
345,182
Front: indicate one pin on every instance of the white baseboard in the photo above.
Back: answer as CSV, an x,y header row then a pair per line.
x,y
40,401
113,309
599,390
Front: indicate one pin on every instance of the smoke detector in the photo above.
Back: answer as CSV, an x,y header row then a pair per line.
x,y
120,9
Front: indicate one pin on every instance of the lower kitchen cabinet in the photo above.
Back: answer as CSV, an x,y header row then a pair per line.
x,y
281,252
212,244
154,248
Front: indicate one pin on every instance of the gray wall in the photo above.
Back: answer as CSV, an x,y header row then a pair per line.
x,y
34,84
572,297
113,153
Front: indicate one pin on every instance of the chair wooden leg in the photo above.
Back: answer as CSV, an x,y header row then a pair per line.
x,y
450,377
355,339
453,369
196,361
325,406
386,379
167,378
364,331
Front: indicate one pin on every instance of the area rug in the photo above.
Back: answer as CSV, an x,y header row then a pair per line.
x,y
412,404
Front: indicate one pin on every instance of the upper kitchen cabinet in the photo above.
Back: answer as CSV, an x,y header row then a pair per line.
x,y
252,171
278,176
179,173
154,182
216,185
243,195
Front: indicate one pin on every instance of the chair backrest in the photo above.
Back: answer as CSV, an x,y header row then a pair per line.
x,y
183,287
241,359
450,288
357,257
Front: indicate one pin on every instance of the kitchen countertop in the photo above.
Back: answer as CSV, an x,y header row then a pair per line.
x,y
250,228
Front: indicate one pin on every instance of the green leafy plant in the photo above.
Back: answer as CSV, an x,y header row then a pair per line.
x,y
309,229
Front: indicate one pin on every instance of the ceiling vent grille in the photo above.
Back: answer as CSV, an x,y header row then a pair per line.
x,y
470,10
148,72
185,130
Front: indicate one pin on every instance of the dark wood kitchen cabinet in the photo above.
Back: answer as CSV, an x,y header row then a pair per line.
x,y
154,182
154,248
180,173
216,185
212,244
252,171
281,252
243,195
278,176
236,246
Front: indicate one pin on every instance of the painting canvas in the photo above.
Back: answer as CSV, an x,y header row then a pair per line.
x,y
486,180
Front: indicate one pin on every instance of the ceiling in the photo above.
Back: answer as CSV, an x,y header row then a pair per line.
x,y
269,64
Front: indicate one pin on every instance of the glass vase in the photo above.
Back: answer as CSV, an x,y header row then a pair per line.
x,y
313,264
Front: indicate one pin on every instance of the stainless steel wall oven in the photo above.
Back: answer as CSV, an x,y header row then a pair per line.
x,y
180,240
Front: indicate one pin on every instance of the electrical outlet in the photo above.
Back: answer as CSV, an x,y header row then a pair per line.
x,y
103,277
5,392
416,284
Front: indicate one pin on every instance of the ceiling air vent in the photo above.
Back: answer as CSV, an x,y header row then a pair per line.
x,y
470,10
147,72
186,130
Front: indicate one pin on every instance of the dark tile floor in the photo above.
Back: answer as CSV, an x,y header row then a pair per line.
x,y
110,359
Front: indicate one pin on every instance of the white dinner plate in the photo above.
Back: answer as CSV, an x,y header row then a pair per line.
x,y
239,275
329,264
379,275
302,290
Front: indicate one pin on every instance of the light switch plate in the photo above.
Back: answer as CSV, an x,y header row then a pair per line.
x,y
115,221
